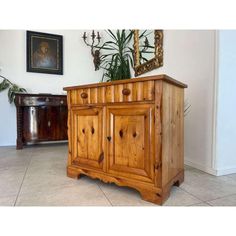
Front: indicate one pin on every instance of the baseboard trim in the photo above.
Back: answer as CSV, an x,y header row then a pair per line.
x,y
209,170
201,167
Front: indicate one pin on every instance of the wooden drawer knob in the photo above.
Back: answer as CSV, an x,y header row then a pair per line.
x,y
126,91
83,95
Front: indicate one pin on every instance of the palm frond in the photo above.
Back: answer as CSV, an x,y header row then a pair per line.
x,y
116,56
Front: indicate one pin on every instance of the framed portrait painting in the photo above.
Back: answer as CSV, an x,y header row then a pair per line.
x,y
44,53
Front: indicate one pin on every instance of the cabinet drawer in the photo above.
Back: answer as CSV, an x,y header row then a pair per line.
x,y
128,92
42,101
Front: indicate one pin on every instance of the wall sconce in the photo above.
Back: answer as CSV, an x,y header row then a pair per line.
x,y
94,52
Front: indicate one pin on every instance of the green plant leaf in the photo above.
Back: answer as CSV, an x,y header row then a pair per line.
x,y
142,34
12,88
10,95
4,85
112,35
116,56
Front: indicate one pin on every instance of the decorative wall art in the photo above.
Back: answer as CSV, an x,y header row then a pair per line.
x,y
44,53
148,50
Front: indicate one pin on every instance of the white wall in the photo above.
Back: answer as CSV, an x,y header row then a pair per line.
x,y
226,112
188,56
78,69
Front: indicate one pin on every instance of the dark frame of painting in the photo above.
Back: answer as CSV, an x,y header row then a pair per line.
x,y
44,53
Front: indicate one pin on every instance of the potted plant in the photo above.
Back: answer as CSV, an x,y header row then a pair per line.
x,y
117,56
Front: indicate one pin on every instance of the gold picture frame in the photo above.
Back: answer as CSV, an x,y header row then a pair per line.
x,y
153,63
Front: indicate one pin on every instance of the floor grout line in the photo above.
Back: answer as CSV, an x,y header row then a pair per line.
x,y
105,195
207,201
199,203
31,157
191,194
221,197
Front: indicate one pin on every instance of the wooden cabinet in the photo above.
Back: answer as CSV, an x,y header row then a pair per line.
x,y
129,132
40,118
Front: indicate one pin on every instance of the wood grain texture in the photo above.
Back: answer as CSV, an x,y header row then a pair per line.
x,y
128,133
129,149
94,95
128,92
172,131
162,77
109,91
158,133
87,145
69,126
101,94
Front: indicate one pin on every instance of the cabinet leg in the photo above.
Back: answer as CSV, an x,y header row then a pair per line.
x,y
73,173
162,197
154,197
19,144
179,180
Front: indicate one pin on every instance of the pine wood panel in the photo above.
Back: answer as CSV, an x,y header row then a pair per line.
x,y
86,135
158,133
130,147
148,90
101,95
140,91
139,86
118,92
109,90
94,95
69,126
162,77
172,131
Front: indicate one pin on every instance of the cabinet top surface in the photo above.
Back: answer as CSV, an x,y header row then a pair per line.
x,y
133,80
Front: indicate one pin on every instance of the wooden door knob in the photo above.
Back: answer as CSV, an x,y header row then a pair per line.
x,y
83,95
126,91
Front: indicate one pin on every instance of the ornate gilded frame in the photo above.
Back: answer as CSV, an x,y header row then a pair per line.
x,y
153,63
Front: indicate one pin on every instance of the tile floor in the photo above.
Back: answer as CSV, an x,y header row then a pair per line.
x,y
36,176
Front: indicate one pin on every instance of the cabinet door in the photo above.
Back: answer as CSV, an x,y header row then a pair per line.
x,y
30,124
52,124
87,137
130,139
43,123
35,124
57,122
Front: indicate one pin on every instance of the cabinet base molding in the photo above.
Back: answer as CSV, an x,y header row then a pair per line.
x,y
147,191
